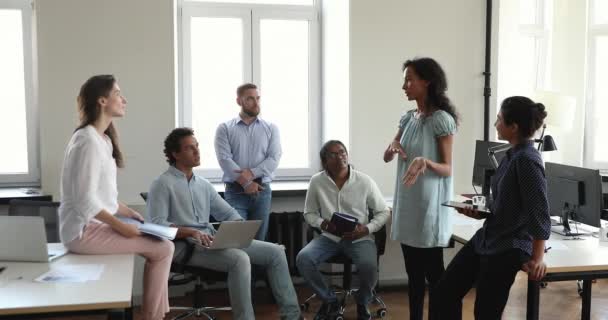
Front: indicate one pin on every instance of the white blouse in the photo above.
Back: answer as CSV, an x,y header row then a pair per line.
x,y
88,182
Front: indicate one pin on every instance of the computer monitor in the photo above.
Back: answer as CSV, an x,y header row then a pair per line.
x,y
482,167
574,193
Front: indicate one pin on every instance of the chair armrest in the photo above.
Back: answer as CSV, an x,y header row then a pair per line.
x,y
380,240
179,265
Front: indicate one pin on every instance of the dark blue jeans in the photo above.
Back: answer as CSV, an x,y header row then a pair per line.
x,y
251,207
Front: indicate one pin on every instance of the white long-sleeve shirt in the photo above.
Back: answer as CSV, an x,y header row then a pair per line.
x,y
88,182
358,195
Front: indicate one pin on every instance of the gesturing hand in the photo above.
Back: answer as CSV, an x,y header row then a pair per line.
x,y
416,168
394,148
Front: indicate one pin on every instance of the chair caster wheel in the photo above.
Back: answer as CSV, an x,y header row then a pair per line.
x,y
304,306
381,313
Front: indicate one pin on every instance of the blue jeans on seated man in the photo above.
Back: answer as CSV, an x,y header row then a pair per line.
x,y
251,207
237,263
320,249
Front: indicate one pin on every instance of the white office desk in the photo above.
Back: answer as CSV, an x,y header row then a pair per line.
x,y
21,295
585,260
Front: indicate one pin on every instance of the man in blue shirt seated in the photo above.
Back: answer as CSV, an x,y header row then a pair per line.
x,y
184,200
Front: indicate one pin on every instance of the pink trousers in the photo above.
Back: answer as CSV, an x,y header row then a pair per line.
x,y
100,238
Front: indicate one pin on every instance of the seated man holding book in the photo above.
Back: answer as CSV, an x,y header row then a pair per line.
x,y
338,202
184,200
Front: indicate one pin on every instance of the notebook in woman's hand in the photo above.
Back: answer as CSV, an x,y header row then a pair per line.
x,y
343,223
151,229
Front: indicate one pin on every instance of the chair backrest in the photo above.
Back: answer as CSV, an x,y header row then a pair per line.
x,y
380,239
48,210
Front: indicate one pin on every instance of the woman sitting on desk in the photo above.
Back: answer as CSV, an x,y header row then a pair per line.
x,y
89,196
514,233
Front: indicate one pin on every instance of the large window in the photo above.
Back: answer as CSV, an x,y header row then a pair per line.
x,y
272,43
596,153
18,129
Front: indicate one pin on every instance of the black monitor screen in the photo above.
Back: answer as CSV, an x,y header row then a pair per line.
x,y
482,160
576,189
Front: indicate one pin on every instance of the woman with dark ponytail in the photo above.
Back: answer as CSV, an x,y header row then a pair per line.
x,y
423,141
89,196
513,236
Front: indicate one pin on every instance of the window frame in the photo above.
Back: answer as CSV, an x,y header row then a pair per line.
x,y
251,15
595,31
32,177
541,32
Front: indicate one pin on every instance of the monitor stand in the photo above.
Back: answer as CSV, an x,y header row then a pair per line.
x,y
487,182
565,229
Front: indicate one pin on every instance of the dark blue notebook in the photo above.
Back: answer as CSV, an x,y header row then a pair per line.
x,y
343,222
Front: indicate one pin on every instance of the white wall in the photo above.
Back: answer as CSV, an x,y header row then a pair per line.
x,y
383,35
132,40
386,33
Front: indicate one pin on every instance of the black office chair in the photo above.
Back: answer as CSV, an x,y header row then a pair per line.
x,y
182,273
347,274
48,210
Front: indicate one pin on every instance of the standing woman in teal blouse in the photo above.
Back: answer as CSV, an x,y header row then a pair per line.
x,y
423,145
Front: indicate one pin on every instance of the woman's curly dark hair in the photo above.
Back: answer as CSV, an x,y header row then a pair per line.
x,y
429,70
527,114
173,142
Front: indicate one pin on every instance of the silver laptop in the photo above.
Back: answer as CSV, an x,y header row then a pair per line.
x,y
235,234
23,238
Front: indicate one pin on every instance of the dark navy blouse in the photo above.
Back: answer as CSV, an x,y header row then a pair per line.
x,y
520,210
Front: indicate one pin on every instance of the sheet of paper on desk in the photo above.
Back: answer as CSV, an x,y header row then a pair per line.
x,y
72,273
